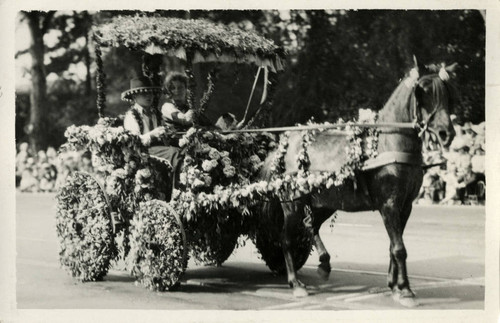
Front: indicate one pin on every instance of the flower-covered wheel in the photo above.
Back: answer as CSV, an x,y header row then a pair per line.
x,y
213,238
267,239
158,253
84,228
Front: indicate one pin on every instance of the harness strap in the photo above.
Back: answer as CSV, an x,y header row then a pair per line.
x,y
393,157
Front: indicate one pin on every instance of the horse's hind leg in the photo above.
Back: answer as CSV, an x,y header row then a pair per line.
x,y
319,216
292,212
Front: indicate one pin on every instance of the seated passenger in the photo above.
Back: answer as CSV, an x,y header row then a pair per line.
x,y
176,112
142,118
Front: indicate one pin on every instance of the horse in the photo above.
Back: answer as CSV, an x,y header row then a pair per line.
x,y
389,187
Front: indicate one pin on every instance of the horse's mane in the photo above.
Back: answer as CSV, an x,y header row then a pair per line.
x,y
400,104
395,107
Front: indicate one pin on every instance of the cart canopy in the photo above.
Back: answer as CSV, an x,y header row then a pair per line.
x,y
195,40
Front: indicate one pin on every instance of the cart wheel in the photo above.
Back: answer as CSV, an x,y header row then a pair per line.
x,y
212,242
84,228
267,239
158,246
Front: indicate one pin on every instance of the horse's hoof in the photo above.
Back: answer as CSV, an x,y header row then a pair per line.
x,y
300,292
408,302
322,273
404,297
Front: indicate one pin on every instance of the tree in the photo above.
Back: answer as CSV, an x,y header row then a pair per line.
x,y
63,101
38,23
354,59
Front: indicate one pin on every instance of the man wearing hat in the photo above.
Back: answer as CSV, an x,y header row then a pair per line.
x,y
142,118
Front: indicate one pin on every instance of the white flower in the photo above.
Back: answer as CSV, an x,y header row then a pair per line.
x,y
183,178
244,192
207,165
214,154
255,159
208,180
190,132
120,173
229,171
204,147
198,183
100,140
226,161
329,182
183,142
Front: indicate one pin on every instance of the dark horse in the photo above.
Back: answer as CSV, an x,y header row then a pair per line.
x,y
390,186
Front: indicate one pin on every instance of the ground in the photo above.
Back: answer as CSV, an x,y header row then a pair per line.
x,y
446,263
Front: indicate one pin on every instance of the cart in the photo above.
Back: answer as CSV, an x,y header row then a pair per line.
x,y
118,212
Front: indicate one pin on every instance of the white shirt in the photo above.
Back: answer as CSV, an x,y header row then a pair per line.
x,y
130,124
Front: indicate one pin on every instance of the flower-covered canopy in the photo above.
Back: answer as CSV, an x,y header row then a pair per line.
x,y
198,40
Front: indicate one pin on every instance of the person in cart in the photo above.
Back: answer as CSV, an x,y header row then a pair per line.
x,y
151,125
142,118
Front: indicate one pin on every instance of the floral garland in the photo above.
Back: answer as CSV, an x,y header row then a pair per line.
x,y
278,162
204,195
207,95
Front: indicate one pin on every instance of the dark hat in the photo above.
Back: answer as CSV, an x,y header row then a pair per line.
x,y
140,85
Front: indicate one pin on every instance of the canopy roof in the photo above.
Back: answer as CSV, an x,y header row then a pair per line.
x,y
207,41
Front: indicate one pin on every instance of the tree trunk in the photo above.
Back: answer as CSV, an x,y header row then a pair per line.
x,y
88,80
38,97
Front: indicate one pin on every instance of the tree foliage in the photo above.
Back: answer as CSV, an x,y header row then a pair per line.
x,y
338,61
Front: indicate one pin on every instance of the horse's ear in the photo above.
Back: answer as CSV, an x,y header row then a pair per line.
x,y
419,66
451,68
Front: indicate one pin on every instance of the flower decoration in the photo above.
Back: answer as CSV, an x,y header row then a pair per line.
x,y
84,228
158,254
221,183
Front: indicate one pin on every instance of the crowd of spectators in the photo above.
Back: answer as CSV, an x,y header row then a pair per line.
x,y
462,179
46,171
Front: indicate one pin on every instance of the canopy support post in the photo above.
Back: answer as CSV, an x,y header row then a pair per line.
x,y
191,81
100,81
151,69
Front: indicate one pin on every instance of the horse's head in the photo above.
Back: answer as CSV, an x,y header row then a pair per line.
x,y
435,97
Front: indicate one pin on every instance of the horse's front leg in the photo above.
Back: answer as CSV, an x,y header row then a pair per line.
x,y
395,222
292,217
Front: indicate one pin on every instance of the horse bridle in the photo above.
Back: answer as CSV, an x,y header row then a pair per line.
x,y
422,125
